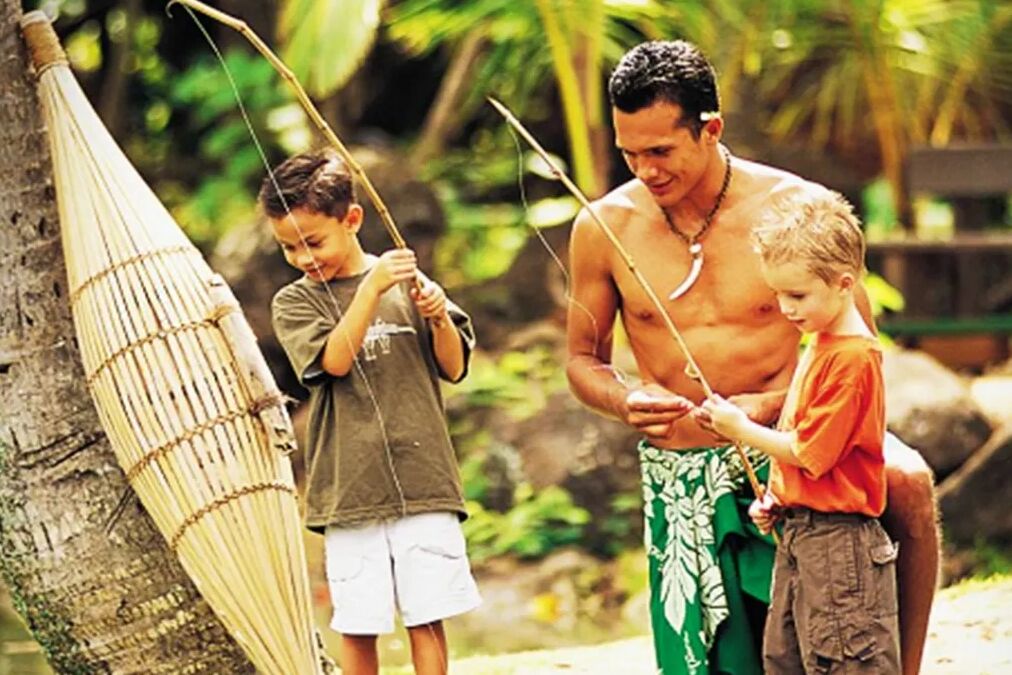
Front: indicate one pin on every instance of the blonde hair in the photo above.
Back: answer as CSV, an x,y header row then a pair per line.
x,y
819,231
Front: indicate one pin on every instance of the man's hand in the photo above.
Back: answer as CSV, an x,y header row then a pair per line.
x,y
765,512
723,417
393,267
653,409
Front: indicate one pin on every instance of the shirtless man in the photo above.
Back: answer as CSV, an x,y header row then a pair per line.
x,y
709,568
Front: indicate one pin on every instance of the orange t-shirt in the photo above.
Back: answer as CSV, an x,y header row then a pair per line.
x,y
836,406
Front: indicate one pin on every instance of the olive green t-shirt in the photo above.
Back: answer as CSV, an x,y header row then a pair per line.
x,y
377,444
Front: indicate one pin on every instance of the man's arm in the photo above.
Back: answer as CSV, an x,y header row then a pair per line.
x,y
590,322
863,303
589,328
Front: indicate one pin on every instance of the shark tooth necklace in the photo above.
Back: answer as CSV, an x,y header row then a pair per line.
x,y
694,242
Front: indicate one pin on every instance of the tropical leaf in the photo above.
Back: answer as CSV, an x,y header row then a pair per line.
x,y
325,41
552,211
882,295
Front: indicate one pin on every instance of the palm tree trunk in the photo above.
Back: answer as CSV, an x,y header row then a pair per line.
x,y
574,108
84,565
443,116
885,110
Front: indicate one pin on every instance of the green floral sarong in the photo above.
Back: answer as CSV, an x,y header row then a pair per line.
x,y
706,559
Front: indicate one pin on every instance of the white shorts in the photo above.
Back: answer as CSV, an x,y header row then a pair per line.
x,y
417,564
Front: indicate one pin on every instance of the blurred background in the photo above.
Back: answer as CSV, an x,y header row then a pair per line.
x,y
903,106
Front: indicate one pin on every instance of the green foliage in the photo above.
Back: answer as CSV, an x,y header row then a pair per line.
x,y
631,575
516,62
203,96
883,295
538,522
327,40
490,214
84,49
518,381
473,477
990,559
879,208
619,526
818,69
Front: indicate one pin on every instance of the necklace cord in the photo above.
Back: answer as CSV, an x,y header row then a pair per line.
x,y
691,241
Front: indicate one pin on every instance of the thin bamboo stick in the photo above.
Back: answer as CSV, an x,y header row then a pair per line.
x,y
307,104
162,376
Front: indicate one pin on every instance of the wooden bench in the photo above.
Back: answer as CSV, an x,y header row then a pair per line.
x,y
961,286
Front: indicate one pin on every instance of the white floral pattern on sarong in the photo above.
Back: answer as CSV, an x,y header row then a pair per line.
x,y
687,485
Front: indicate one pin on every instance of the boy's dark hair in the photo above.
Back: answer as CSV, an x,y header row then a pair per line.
x,y
673,71
317,181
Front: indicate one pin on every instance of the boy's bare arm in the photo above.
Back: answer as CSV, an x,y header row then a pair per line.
x,y
448,347
349,334
447,342
346,339
761,407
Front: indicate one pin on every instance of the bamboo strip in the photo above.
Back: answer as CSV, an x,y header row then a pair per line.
x,y
199,439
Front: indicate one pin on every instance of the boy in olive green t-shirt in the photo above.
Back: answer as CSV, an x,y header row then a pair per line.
x,y
382,482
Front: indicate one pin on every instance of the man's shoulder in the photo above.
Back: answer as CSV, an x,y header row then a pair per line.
x,y
778,195
616,208
775,183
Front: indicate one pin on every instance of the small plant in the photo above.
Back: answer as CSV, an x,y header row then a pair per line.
x,y
991,560
538,523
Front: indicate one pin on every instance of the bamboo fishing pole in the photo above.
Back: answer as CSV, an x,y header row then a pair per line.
x,y
669,323
307,104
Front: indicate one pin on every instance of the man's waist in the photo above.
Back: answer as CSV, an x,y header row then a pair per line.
x,y
687,438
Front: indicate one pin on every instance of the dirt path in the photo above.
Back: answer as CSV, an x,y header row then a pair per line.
x,y
970,634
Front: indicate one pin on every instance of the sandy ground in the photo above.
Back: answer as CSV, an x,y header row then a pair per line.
x,y
970,634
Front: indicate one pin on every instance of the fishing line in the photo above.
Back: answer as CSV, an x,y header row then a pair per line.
x,y
443,658
567,282
316,266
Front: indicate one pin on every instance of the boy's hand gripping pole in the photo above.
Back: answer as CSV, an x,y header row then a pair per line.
x,y
307,104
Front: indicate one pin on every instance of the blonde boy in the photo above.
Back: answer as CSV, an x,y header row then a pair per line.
x,y
833,607
382,481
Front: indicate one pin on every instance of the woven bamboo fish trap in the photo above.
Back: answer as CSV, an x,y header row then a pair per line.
x,y
190,408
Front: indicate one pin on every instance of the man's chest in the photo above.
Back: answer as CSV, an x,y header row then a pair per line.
x,y
729,287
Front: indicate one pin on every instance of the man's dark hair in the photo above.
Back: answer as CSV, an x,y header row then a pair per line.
x,y
317,181
673,71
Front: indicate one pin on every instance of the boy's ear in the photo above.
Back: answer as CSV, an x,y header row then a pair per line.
x,y
847,281
355,216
